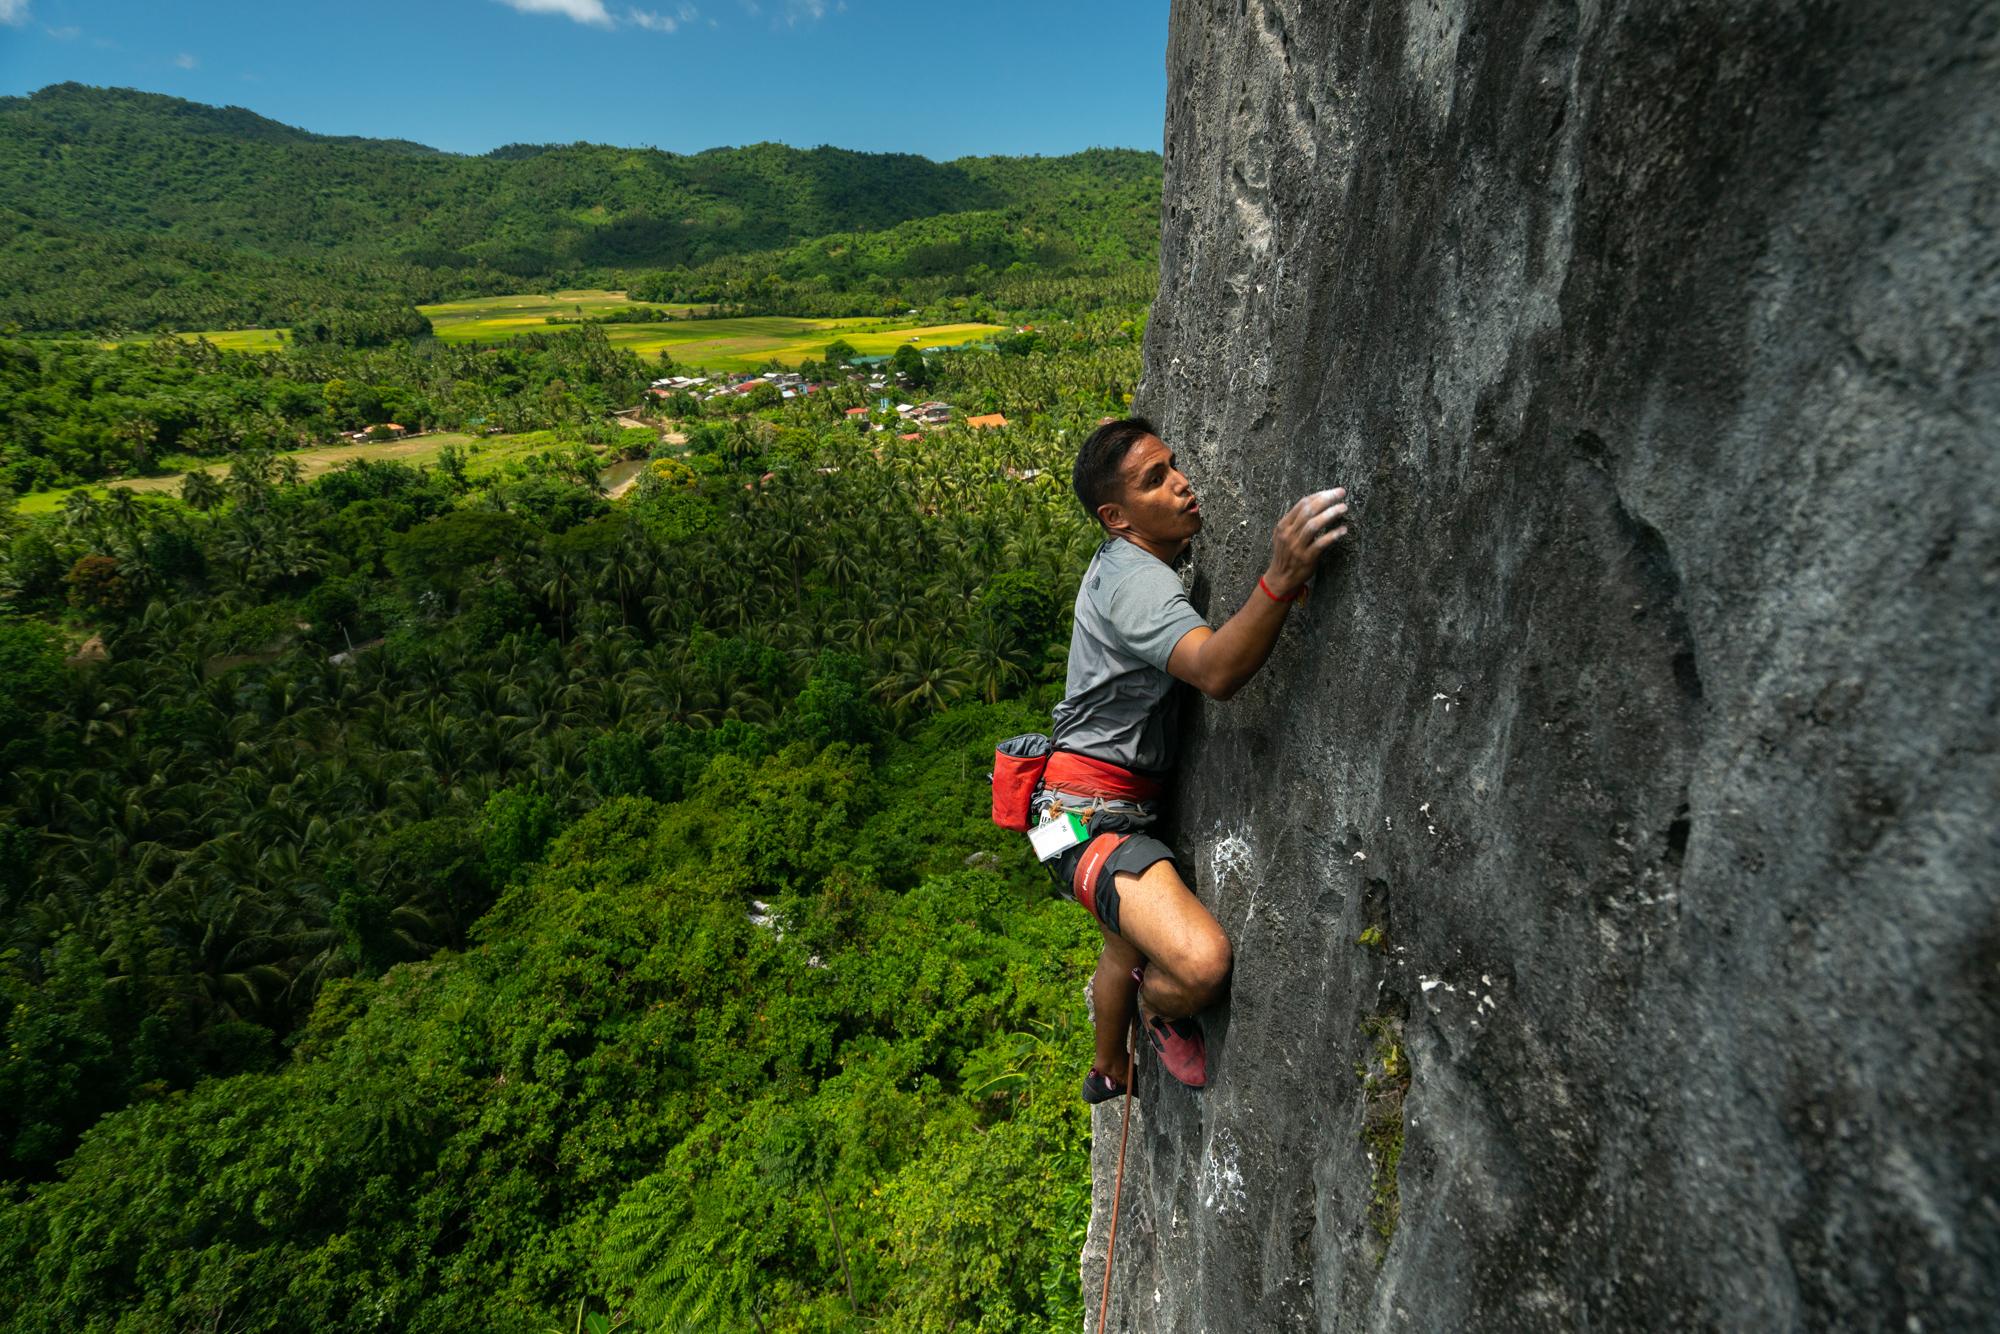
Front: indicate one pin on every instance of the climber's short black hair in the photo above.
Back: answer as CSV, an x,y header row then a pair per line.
x,y
1097,463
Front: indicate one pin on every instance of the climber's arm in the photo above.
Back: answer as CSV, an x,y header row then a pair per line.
x,y
1218,662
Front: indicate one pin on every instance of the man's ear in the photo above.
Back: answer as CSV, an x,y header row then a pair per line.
x,y
1112,515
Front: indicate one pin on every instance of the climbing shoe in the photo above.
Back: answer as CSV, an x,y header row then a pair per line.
x,y
1100,1088
1181,1048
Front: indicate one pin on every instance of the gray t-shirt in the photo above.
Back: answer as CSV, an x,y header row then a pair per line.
x,y
1120,704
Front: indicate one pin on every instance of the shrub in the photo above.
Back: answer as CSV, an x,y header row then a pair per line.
x,y
515,828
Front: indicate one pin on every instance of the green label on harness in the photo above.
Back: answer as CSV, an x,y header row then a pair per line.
x,y
1052,837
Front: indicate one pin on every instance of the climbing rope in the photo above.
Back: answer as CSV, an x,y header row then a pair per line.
x,y
1118,1182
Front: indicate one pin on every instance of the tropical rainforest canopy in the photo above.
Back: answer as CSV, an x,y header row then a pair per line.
x,y
125,211
444,897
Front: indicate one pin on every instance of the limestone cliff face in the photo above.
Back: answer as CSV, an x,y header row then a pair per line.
x,y
1612,846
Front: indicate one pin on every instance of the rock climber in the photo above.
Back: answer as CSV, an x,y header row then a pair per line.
x,y
1136,635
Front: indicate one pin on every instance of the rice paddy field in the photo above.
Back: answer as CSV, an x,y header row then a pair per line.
x,y
240,340
485,454
728,344
718,345
488,317
748,343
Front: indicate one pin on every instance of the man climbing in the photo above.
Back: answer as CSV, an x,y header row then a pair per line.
x,y
1136,634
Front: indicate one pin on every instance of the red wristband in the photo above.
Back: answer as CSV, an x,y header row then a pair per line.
x,y
1297,593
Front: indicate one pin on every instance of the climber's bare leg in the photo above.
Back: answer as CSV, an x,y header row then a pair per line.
x,y
1187,956
1112,993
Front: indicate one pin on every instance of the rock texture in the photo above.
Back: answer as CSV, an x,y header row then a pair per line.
x,y
1612,846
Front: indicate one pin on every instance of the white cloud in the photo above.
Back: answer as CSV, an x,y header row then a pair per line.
x,y
583,11
186,61
13,13
594,13
790,13
66,33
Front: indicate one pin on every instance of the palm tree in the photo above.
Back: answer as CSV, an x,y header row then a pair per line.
x,y
562,586
127,519
81,514
923,678
201,490
250,479
992,663
138,434
624,569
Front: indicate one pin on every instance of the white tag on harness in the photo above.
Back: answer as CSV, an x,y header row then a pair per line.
x,y
1057,834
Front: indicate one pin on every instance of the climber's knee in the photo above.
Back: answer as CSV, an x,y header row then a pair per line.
x,y
1189,954
1199,968
1207,966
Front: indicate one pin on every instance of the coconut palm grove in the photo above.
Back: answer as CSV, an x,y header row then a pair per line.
x,y
542,881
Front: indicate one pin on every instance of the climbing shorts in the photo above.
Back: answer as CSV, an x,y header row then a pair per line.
x,y
1088,872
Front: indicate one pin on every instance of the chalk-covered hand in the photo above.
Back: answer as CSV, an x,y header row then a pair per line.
x,y
1308,530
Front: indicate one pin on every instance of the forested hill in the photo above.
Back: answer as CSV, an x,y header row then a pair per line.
x,y
125,208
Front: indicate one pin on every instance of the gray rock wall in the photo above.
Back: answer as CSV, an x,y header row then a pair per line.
x,y
1612,846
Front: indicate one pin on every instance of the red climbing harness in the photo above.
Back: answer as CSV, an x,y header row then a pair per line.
x,y
1095,854
1082,776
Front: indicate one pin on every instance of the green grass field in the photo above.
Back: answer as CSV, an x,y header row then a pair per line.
x,y
486,454
731,344
529,311
719,345
745,344
246,340
230,340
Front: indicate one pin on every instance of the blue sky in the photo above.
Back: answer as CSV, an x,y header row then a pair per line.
x,y
945,78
